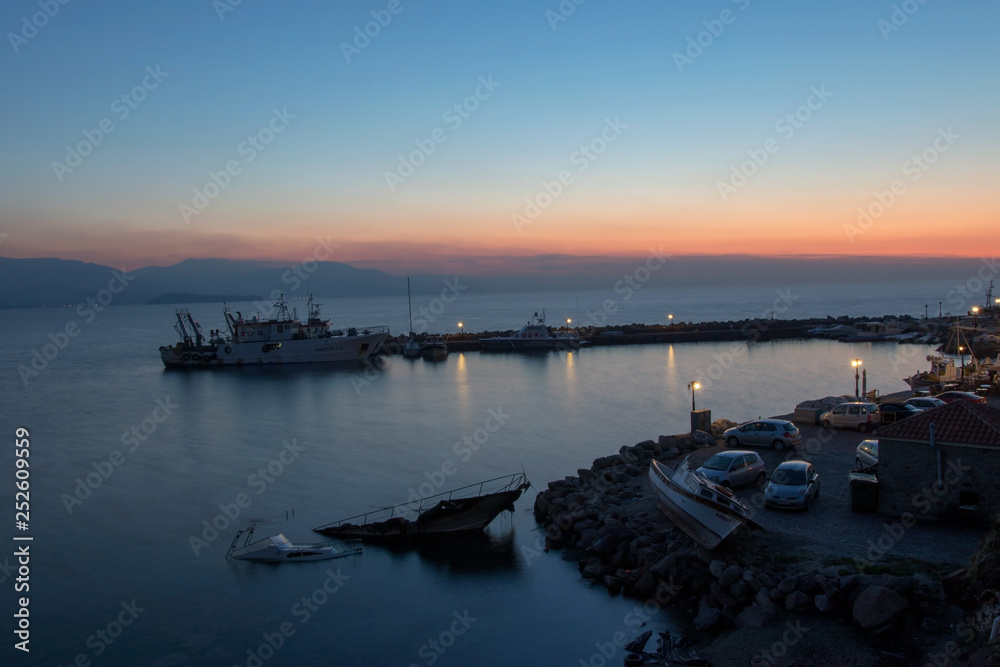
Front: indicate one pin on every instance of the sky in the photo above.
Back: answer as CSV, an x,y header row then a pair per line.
x,y
412,135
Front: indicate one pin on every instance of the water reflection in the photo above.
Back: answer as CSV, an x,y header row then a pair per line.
x,y
477,553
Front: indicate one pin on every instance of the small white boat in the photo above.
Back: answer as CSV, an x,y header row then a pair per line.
x,y
434,349
706,511
278,549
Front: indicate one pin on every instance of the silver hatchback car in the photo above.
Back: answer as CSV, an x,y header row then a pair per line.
x,y
734,468
776,433
793,484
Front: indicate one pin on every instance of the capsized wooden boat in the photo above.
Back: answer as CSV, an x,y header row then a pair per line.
x,y
278,549
706,511
467,509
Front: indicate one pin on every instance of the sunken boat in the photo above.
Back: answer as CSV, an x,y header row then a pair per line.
x,y
464,510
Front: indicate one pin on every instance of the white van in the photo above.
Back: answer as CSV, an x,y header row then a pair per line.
x,y
862,416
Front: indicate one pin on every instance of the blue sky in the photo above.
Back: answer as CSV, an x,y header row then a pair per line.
x,y
326,172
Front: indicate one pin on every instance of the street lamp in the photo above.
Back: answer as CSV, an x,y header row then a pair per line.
x,y
961,352
569,320
692,386
460,325
975,311
670,319
857,374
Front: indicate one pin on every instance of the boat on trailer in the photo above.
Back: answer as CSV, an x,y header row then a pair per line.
x,y
706,511
467,509
278,549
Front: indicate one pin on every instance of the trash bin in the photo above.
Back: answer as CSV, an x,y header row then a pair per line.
x,y
864,492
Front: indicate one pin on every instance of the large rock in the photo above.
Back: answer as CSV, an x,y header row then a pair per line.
x,y
823,604
877,606
787,585
797,601
708,618
717,567
703,439
730,576
644,587
755,616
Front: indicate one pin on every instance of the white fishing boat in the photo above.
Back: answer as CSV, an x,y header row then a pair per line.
x,y
278,549
706,511
535,335
279,339
434,349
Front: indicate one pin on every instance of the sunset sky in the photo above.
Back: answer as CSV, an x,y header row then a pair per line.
x,y
489,131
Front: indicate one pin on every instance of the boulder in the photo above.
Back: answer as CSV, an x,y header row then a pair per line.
x,y
755,616
717,567
787,585
823,604
797,601
592,568
708,618
878,606
763,598
703,439
644,587
613,583
730,576
721,425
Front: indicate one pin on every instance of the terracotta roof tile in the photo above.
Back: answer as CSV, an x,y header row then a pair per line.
x,y
955,423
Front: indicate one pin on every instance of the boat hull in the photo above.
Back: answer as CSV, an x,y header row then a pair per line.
x,y
705,521
448,517
306,351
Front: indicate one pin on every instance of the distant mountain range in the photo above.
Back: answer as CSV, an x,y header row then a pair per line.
x,y
58,282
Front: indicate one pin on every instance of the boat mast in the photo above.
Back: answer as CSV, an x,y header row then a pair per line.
x,y
409,306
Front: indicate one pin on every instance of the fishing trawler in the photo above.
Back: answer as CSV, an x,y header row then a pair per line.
x,y
279,339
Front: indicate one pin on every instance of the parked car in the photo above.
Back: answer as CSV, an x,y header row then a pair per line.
x,y
862,416
792,484
952,396
893,412
867,454
776,433
733,468
925,402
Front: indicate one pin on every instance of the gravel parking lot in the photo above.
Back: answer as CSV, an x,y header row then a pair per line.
x,y
829,528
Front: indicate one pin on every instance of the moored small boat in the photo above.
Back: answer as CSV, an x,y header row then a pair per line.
x,y
467,509
706,511
278,549
434,349
534,335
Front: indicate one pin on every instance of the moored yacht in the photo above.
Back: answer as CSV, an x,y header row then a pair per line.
x,y
535,335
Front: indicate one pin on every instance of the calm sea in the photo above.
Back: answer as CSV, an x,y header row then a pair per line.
x,y
118,574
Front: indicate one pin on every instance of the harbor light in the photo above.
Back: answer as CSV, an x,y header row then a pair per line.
x,y
961,352
857,374
670,318
975,311
460,325
693,386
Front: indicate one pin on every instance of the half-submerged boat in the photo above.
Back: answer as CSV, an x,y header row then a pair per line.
x,y
706,511
279,339
535,335
278,549
467,509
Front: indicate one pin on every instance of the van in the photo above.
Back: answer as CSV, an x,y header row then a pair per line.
x,y
859,415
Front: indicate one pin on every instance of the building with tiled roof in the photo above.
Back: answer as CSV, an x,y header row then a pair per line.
x,y
943,463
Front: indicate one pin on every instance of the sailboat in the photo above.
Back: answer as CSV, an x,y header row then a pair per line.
x,y
411,348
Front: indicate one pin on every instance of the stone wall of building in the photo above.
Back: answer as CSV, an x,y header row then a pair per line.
x,y
908,480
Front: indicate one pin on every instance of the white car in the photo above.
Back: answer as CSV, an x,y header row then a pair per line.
x,y
862,416
867,454
793,484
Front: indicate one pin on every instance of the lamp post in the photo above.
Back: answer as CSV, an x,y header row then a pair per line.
x,y
961,352
975,311
693,386
857,374
670,319
569,320
460,325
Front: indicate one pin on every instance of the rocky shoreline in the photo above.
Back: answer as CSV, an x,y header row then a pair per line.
x,y
759,602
